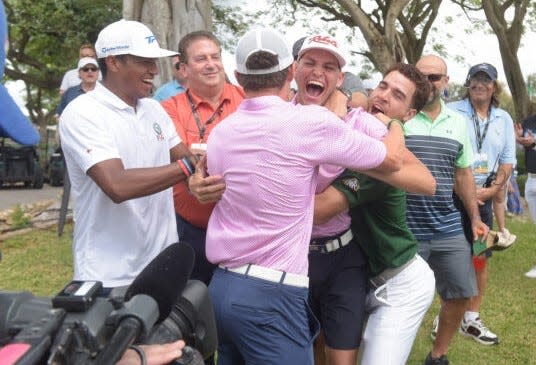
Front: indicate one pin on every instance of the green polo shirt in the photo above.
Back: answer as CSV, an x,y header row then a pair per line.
x,y
443,145
378,213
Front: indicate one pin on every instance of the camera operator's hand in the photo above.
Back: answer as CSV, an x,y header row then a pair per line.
x,y
154,354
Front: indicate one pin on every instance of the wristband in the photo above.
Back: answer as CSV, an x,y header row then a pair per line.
x,y
184,168
188,165
140,353
396,121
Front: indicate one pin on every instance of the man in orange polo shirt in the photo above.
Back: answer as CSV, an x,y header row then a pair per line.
x,y
207,101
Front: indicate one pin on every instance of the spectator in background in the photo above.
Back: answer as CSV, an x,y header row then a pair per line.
x,y
13,123
491,131
513,200
176,86
195,113
525,136
72,77
88,71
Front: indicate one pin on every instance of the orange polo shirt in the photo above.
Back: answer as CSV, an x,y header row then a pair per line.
x,y
179,109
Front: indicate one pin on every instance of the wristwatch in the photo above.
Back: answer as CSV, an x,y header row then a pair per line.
x,y
346,92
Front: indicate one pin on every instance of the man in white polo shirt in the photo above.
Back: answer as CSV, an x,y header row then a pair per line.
x,y
123,155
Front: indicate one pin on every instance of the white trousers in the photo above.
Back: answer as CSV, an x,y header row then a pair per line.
x,y
530,196
396,310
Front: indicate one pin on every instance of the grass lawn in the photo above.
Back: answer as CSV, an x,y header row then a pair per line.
x,y
41,263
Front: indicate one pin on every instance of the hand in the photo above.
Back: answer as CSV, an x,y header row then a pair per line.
x,y
383,118
337,103
479,228
484,194
155,354
207,189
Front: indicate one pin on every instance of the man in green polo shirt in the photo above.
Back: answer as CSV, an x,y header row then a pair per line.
x,y
402,284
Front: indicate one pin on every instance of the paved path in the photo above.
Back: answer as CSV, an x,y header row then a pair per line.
x,y
11,196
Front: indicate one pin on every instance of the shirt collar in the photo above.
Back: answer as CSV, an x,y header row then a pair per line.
x,y
105,95
225,96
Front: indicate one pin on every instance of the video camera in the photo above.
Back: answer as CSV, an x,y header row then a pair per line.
x,y
78,327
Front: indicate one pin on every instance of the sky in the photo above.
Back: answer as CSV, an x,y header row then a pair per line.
x,y
476,47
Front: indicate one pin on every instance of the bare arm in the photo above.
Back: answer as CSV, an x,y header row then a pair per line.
x,y
121,184
328,204
503,174
464,186
394,143
414,177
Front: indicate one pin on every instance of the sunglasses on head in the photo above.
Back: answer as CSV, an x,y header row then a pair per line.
x,y
86,69
434,77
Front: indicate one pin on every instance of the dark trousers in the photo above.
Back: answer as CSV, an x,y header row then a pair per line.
x,y
196,237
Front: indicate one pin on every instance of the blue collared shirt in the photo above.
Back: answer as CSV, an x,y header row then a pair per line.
x,y
168,90
499,143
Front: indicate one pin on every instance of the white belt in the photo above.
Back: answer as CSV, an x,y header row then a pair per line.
x,y
333,244
275,276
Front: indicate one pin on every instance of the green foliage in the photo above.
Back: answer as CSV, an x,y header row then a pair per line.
x,y
521,182
44,38
19,219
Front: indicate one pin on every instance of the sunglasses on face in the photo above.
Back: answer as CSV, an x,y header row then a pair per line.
x,y
87,69
434,77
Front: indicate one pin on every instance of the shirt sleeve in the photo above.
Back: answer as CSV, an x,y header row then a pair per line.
x,y
358,188
465,156
85,137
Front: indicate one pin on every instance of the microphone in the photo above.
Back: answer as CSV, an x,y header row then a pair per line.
x,y
159,283
165,277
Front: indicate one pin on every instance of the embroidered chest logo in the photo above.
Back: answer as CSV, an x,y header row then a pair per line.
x,y
158,131
352,183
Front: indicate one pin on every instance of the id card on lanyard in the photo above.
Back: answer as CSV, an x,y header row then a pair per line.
x,y
480,166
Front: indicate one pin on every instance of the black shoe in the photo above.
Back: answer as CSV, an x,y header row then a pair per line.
x,y
442,360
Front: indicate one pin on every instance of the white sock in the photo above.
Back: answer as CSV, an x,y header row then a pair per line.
x,y
470,316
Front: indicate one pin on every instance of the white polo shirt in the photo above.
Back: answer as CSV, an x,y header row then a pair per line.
x,y
114,242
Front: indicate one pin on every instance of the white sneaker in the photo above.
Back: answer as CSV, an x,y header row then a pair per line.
x,y
478,332
531,273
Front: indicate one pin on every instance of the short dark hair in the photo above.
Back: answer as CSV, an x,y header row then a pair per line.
x,y
422,86
191,37
262,60
102,64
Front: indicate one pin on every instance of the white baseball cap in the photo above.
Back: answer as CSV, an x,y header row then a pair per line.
x,y
267,40
84,61
327,43
129,37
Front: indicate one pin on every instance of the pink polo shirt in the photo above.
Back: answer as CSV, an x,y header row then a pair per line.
x,y
364,122
268,153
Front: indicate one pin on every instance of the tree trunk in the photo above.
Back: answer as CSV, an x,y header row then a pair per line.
x,y
509,38
169,20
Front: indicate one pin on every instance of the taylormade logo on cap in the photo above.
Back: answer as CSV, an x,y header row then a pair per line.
x,y
129,37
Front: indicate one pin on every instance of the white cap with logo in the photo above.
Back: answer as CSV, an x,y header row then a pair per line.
x,y
84,61
129,37
266,40
327,43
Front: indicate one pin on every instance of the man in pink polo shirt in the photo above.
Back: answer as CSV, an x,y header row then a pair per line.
x,y
268,153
